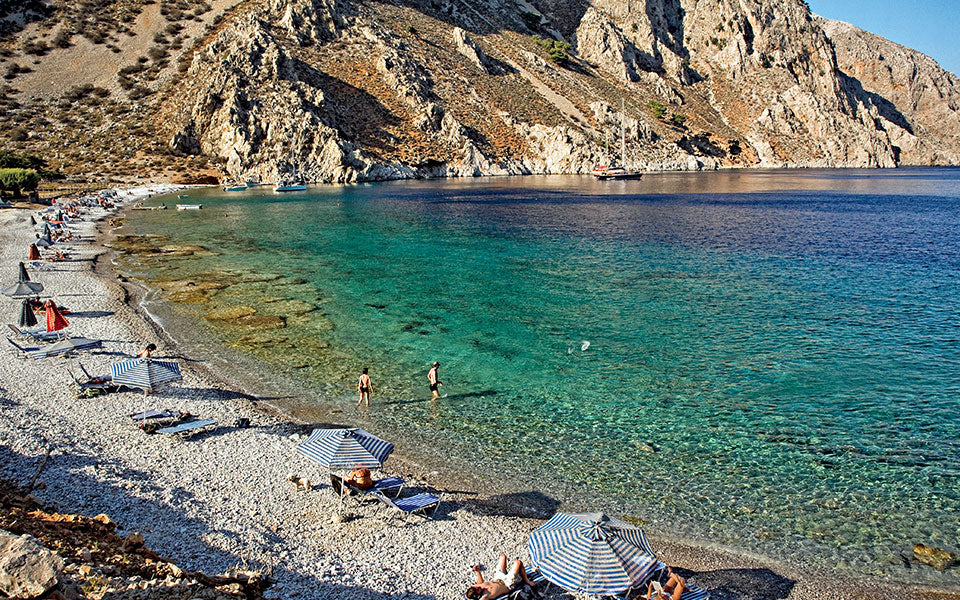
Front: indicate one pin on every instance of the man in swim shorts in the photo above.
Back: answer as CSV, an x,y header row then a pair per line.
x,y
434,380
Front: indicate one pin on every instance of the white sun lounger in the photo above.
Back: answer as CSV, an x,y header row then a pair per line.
x,y
188,426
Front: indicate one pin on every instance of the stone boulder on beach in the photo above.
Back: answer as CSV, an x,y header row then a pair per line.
x,y
27,568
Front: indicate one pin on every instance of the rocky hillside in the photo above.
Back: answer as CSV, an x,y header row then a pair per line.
x,y
916,96
345,90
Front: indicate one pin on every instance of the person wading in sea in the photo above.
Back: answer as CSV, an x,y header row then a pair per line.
x,y
364,386
434,378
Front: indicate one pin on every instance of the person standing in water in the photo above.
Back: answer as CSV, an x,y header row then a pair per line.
x,y
364,386
434,378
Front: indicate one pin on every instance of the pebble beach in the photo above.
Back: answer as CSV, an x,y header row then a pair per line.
x,y
220,497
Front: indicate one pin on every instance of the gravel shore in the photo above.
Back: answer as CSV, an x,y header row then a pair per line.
x,y
220,497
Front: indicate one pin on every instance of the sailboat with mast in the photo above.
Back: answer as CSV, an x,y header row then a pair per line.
x,y
605,172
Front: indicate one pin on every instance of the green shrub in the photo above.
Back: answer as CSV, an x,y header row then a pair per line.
x,y
556,49
17,181
658,109
678,119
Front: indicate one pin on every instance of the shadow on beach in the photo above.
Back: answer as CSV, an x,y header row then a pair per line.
x,y
527,505
743,584
163,524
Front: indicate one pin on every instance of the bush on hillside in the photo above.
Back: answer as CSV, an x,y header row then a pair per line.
x,y
17,181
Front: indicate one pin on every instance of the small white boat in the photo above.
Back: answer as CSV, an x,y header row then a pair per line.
x,y
182,196
235,188
189,206
289,187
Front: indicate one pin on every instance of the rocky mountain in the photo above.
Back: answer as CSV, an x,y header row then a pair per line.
x,y
347,90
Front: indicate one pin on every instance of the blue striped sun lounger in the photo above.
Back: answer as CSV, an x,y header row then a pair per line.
x,y
410,505
188,426
154,413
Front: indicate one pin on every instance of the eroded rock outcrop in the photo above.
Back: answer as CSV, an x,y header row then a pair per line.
x,y
319,90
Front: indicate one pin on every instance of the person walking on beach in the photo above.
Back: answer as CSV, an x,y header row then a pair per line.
x,y
434,378
364,386
148,351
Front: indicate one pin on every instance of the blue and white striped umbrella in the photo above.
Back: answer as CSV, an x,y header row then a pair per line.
x,y
345,448
592,553
144,372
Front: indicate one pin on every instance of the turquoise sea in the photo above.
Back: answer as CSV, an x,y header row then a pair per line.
x,y
764,361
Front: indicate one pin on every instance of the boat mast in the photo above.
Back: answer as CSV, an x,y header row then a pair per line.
x,y
623,138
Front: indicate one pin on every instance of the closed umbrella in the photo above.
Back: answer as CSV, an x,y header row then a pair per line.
x,y
24,276
45,232
32,220
55,319
67,345
592,553
27,318
22,288
144,373
33,253
345,448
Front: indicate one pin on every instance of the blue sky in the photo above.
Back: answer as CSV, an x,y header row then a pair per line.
x,y
930,26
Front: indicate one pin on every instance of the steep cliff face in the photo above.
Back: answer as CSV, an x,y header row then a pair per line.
x,y
347,90
918,101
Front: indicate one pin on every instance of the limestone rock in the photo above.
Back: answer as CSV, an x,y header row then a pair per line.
x,y
27,568
469,48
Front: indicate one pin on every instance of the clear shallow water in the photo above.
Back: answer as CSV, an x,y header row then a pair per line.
x,y
786,342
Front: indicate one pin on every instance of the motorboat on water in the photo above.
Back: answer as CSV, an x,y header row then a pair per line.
x,y
189,206
239,187
283,186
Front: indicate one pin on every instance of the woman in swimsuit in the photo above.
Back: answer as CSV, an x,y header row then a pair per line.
x,y
364,386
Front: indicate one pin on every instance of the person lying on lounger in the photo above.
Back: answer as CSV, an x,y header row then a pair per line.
x,y
501,583
671,590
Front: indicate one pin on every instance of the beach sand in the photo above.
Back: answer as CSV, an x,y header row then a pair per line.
x,y
220,497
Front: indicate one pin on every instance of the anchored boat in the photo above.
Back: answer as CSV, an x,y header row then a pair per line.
x,y
289,187
605,172
189,206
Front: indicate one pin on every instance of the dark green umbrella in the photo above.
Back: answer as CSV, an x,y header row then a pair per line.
x,y
32,220
27,318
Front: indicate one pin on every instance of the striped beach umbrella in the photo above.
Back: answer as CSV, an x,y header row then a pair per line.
x,y
345,448
144,373
592,553
55,319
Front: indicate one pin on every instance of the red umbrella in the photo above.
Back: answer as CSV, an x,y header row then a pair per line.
x,y
55,319
34,253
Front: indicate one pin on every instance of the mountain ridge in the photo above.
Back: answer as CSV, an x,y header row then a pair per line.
x,y
339,91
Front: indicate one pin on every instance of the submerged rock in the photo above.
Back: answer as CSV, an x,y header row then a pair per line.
x,y
230,313
937,558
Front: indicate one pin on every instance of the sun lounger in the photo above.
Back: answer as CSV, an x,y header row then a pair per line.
x,y
410,505
26,351
188,426
342,488
40,333
153,413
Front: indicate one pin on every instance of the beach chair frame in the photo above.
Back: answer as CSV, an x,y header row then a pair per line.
x,y
425,501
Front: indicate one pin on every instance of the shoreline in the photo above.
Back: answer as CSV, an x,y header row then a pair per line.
x,y
469,525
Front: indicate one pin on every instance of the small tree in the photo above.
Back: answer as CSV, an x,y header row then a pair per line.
x,y
17,181
678,119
